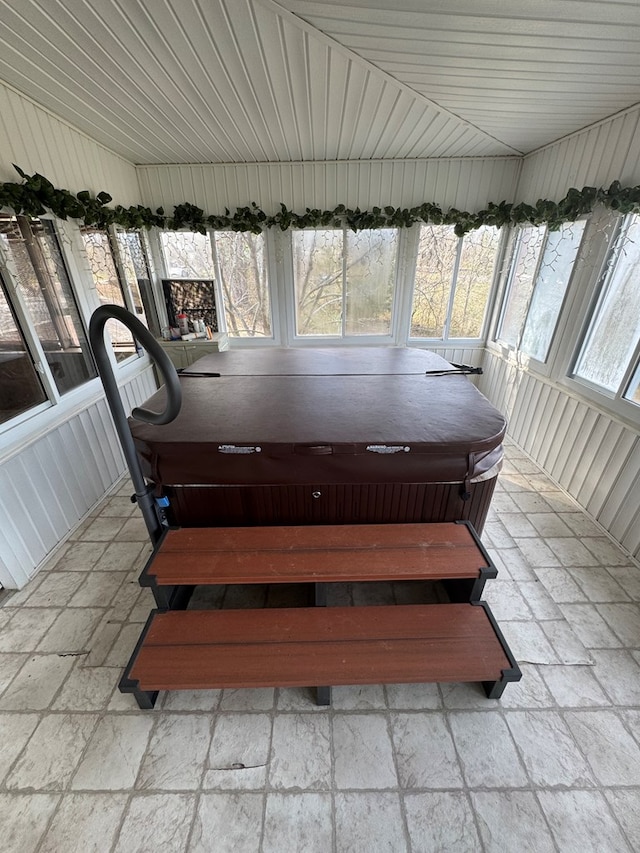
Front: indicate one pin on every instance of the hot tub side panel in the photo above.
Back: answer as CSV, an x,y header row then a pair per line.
x,y
322,503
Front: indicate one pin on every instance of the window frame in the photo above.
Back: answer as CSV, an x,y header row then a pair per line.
x,y
614,226
288,308
507,287
446,341
152,321
280,271
20,430
33,347
549,367
124,289
158,260
56,401
248,340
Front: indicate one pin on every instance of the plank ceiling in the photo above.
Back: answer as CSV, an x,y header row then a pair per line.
x,y
246,81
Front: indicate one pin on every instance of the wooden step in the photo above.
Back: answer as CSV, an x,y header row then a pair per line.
x,y
189,650
319,554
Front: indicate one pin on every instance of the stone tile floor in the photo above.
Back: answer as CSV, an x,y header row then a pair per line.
x,y
552,766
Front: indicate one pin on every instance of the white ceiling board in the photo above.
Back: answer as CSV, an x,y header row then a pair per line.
x,y
207,81
526,72
255,81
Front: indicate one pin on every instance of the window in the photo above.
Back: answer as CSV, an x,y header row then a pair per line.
x,y
20,386
539,273
237,261
522,273
135,267
453,280
43,324
244,283
612,340
344,281
109,288
187,254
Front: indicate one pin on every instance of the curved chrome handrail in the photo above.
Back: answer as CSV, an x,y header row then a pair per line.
x,y
141,334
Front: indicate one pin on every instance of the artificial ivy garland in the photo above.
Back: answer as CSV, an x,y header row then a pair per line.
x,y
36,196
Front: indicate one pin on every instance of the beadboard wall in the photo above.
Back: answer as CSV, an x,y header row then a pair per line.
x,y
52,478
605,152
589,453
473,356
467,184
49,484
37,141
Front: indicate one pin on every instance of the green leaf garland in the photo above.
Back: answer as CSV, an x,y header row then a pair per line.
x,y
36,195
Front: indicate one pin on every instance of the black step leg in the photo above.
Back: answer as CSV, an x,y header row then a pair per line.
x,y
323,695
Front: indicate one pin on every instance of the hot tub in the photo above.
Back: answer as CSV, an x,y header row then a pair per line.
x,y
331,436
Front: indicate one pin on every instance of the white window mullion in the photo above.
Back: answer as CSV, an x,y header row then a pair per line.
x,y
452,292
280,274
124,281
150,247
630,380
408,240
157,268
493,311
221,312
344,281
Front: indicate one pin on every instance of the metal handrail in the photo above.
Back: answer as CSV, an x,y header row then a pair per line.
x,y
141,334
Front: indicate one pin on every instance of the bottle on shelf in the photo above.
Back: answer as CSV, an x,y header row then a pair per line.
x,y
183,323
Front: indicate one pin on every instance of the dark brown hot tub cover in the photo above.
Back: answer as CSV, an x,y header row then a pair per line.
x,y
331,416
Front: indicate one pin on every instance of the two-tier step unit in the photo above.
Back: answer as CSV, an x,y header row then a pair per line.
x,y
457,640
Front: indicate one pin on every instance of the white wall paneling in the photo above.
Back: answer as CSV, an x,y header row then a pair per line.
x,y
466,184
47,487
50,482
591,455
220,81
608,151
37,141
473,356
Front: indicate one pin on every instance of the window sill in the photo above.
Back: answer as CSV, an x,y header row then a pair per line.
x,y
619,408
